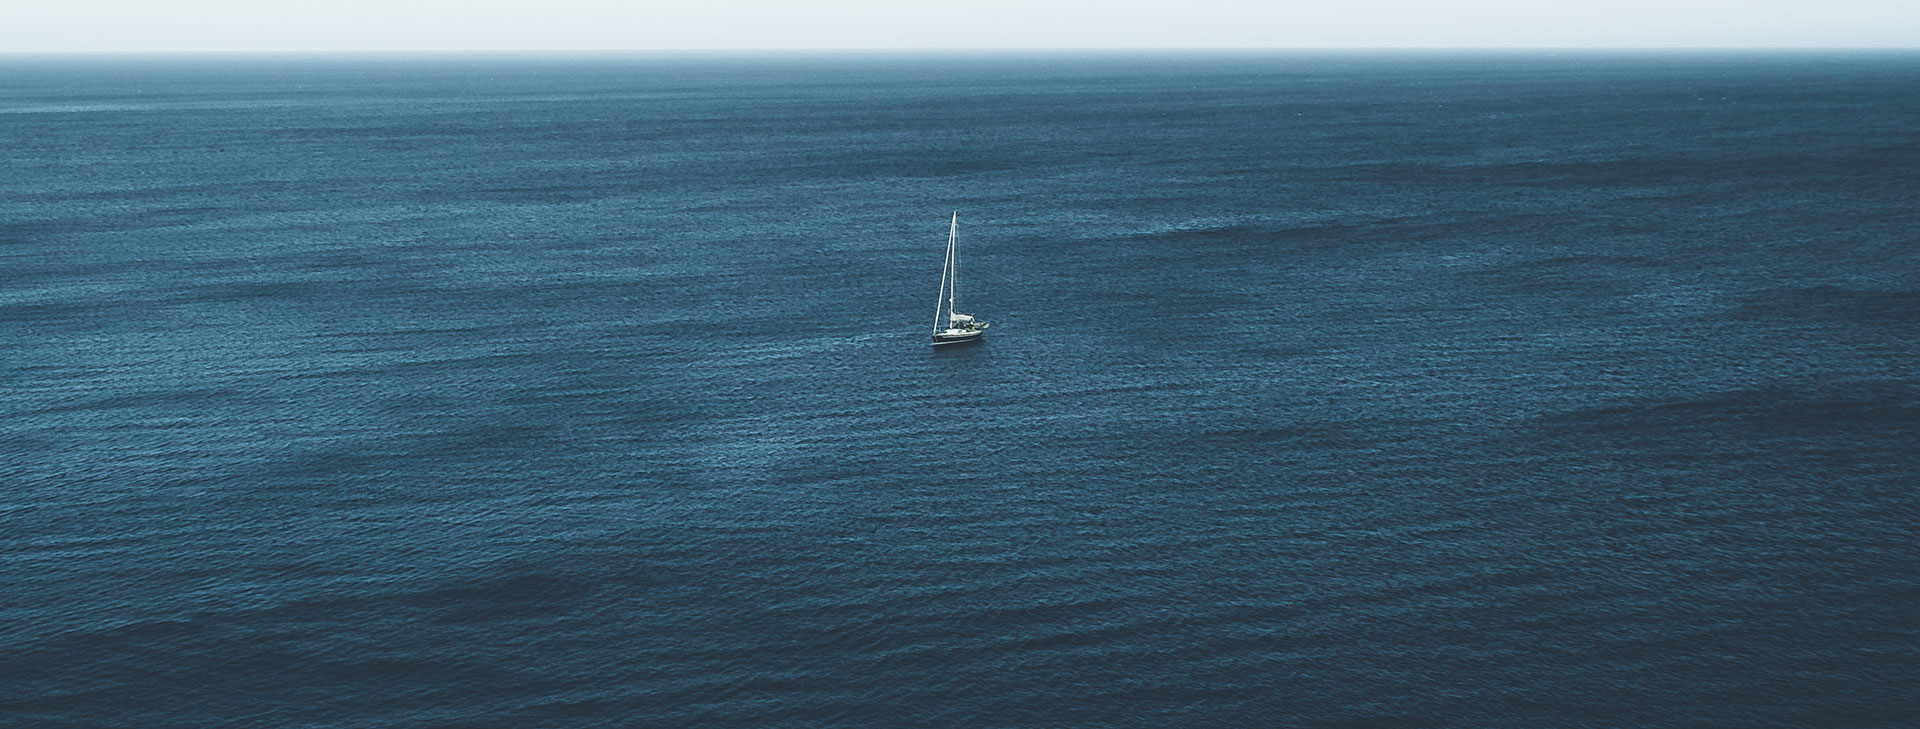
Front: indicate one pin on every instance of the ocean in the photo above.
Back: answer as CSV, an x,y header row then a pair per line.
x,y
1337,389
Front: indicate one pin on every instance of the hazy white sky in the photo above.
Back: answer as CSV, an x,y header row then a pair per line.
x,y
228,25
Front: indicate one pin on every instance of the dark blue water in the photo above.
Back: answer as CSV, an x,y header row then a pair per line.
x,y
1511,390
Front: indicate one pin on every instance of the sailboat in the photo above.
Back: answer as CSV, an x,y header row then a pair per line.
x,y
959,327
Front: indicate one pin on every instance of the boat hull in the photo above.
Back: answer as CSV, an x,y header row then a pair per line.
x,y
944,338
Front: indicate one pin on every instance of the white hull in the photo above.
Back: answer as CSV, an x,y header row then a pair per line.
x,y
957,336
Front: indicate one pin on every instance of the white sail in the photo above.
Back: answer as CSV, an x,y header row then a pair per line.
x,y
940,300
953,267
944,301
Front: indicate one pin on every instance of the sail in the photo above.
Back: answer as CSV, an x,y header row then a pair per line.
x,y
943,300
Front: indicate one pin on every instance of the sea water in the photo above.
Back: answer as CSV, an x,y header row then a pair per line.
x,y
1338,389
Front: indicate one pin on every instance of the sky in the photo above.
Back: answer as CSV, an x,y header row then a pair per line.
x,y
427,25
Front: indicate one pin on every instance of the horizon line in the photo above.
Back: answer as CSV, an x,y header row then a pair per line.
x,y
952,50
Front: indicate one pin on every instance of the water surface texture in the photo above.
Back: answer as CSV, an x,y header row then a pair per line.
x,y
1510,390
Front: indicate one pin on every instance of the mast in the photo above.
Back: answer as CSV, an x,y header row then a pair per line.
x,y
946,270
953,264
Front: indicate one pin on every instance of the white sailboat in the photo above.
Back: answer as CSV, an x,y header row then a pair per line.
x,y
959,327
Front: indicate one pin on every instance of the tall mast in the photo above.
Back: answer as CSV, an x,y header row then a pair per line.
x,y
953,289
